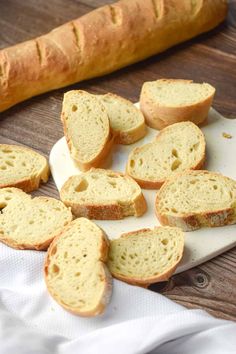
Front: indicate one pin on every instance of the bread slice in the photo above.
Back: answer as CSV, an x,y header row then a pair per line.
x,y
87,128
103,194
30,223
179,147
75,271
164,102
126,120
197,199
22,167
146,256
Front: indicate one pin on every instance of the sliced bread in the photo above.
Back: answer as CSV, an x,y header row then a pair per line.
x,y
196,199
87,128
103,194
127,121
75,272
146,256
164,102
179,147
27,223
22,167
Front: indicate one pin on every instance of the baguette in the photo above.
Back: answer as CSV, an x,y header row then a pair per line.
x,y
100,42
103,195
165,102
87,129
196,199
146,256
126,120
179,147
75,271
27,223
22,167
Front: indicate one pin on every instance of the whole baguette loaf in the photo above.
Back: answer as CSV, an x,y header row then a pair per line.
x,y
100,42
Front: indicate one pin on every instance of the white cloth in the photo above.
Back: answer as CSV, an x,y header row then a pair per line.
x,y
136,321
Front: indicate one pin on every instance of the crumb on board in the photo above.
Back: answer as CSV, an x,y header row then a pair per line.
x,y
226,135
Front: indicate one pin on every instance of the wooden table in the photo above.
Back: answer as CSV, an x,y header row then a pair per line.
x,y
36,123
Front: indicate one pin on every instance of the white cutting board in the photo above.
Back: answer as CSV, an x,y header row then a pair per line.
x,y
200,245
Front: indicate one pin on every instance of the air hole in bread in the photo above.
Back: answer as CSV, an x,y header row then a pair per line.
x,y
9,163
113,184
175,153
7,151
23,164
165,241
31,222
83,185
74,108
173,210
132,163
54,251
77,274
55,269
140,162
175,164
3,167
215,186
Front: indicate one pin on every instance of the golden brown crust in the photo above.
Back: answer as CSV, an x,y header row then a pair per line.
x,y
145,282
126,32
191,222
106,277
29,183
159,117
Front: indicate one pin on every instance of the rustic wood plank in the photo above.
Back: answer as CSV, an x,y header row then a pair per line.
x,y
36,123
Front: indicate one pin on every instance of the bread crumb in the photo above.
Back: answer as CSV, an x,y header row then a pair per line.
x,y
227,136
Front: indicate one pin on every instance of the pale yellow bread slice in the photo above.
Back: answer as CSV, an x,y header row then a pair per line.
x,y
146,256
75,271
22,167
164,102
103,194
127,121
196,199
176,148
30,223
87,128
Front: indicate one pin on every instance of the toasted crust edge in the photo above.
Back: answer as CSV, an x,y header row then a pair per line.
x,y
159,117
105,299
148,281
29,184
191,222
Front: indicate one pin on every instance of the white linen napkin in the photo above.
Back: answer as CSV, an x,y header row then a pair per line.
x,y
136,321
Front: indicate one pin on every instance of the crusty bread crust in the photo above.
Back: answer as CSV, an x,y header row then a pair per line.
x,y
157,184
126,32
30,183
159,117
106,277
145,282
191,221
112,211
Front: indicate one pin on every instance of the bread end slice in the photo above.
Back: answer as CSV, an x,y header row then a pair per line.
x,y
75,271
165,102
146,256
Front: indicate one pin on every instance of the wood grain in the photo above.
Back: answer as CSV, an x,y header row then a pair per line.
x,y
36,123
